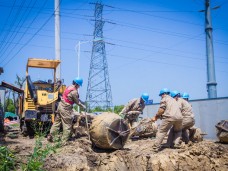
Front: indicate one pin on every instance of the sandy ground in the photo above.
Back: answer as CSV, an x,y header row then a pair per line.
x,y
136,155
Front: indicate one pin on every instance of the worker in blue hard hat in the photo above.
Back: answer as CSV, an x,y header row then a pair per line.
x,y
65,109
185,96
134,108
175,94
164,91
171,116
188,116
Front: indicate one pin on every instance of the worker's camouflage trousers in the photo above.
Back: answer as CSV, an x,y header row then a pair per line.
x,y
163,129
63,118
187,123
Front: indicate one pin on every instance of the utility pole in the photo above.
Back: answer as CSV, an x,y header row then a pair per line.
x,y
1,70
57,39
2,107
99,89
2,100
211,81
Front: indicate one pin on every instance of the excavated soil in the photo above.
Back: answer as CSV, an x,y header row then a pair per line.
x,y
138,155
135,156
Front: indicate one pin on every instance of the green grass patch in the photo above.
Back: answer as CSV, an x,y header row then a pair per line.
x,y
7,159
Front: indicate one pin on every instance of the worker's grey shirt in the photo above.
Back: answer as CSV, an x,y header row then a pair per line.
x,y
133,105
186,108
171,107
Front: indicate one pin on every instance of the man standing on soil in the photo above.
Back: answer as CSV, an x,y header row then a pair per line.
x,y
65,109
188,118
170,114
134,108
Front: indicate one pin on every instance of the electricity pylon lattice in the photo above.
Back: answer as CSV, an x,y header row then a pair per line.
x,y
99,90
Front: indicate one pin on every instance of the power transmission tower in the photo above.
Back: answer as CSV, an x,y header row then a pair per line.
x,y
99,90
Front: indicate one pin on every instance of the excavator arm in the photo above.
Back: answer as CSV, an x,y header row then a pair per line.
x,y
12,87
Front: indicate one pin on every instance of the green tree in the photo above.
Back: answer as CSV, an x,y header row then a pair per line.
x,y
10,106
118,109
98,109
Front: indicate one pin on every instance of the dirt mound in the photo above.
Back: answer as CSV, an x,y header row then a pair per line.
x,y
138,155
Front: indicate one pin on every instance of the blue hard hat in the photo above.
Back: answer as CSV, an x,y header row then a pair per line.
x,y
164,90
174,93
145,97
78,81
185,95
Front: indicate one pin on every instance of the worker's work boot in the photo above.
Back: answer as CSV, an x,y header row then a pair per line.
x,y
155,148
179,146
190,143
165,146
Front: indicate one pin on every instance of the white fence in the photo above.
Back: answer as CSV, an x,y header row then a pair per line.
x,y
208,112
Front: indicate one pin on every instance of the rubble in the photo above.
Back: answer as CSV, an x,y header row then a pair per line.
x,y
222,131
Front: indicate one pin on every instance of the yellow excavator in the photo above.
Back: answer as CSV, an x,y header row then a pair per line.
x,y
40,98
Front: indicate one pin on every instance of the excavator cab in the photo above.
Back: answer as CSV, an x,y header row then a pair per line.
x,y
41,97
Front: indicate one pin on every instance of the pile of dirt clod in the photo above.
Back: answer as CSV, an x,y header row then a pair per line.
x,y
138,155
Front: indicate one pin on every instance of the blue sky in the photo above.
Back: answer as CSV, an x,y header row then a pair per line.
x,y
150,45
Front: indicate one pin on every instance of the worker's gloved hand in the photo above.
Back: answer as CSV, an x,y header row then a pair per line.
x,y
122,115
154,119
134,112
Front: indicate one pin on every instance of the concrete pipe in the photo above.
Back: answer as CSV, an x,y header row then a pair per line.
x,y
109,131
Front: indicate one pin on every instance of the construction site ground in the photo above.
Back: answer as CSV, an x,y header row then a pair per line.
x,y
137,155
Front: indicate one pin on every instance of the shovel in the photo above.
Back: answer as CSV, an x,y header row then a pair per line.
x,y
87,126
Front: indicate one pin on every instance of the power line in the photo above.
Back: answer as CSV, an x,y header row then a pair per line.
x,y
165,18
11,9
23,33
145,28
11,24
42,46
150,11
163,52
18,28
145,59
162,48
32,37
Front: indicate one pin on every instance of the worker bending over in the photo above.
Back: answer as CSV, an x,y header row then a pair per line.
x,y
134,108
